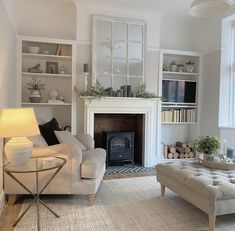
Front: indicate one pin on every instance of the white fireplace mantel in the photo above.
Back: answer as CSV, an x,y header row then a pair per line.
x,y
150,108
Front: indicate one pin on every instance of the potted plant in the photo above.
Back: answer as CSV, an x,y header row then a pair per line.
x,y
35,86
209,145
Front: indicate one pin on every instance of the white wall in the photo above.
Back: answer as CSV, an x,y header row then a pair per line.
x,y
84,37
47,19
7,73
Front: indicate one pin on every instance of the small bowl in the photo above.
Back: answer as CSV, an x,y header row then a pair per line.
x,y
34,50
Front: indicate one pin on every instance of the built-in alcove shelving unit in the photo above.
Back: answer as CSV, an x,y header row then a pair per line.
x,y
55,63
179,77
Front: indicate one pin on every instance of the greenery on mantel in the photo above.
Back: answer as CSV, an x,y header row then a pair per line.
x,y
96,91
140,92
99,91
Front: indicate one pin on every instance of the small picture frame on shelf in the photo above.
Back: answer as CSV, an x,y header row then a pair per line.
x,y
52,67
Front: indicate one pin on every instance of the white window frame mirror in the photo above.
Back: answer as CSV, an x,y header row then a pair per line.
x,y
118,52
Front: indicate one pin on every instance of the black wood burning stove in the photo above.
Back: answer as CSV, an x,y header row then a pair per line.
x,y
119,147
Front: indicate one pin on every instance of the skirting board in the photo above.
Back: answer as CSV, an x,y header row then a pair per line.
x,y
2,202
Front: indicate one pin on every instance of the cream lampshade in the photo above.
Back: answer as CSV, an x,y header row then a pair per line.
x,y
209,8
16,123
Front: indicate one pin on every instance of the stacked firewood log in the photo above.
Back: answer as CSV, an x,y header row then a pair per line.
x,y
178,151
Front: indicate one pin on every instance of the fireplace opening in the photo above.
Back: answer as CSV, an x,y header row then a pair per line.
x,y
122,123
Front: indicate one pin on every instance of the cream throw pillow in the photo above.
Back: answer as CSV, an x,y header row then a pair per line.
x,y
38,141
67,137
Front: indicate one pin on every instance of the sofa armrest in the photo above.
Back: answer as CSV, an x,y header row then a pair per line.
x,y
58,149
87,140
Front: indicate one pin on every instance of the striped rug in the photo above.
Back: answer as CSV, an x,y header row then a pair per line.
x,y
128,168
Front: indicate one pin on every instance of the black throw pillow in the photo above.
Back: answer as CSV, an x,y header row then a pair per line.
x,y
47,131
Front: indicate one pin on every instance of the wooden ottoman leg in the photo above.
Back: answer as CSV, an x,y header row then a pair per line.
x,y
162,190
212,219
91,198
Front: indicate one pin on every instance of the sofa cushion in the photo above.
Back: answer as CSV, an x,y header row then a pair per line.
x,y
38,141
92,162
47,131
67,137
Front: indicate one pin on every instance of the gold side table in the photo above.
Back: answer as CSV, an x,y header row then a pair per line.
x,y
35,165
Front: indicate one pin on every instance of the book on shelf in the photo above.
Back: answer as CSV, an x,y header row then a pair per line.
x,y
182,115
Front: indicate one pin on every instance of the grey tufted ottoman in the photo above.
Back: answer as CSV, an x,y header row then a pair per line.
x,y
211,190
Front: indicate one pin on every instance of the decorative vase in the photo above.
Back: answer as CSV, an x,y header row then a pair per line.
x,y
53,94
35,96
208,157
173,67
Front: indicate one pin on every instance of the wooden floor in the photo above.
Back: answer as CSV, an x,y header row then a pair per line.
x,y
11,212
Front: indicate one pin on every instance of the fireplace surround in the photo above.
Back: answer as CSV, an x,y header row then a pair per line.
x,y
150,108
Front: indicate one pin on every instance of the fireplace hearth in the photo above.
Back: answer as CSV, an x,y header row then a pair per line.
x,y
119,147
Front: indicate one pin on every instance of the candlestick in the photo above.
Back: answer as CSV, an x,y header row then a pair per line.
x,y
86,74
85,68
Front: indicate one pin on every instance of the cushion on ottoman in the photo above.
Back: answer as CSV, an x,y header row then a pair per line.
x,y
92,162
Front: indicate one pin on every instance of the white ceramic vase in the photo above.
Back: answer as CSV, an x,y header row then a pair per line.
x,y
53,94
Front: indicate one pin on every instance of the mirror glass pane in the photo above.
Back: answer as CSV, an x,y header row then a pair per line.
x,y
119,49
104,66
135,32
135,67
135,50
119,31
119,66
104,30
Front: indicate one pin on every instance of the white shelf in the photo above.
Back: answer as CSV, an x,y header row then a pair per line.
x,y
178,123
179,73
45,75
179,106
42,56
46,104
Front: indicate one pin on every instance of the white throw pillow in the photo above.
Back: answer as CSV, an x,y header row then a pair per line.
x,y
38,141
67,137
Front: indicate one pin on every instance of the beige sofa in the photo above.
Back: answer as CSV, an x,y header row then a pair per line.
x,y
82,174
211,190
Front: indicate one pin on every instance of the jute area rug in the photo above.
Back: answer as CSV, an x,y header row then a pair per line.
x,y
130,204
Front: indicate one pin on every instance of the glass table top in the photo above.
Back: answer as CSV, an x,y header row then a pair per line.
x,y
36,165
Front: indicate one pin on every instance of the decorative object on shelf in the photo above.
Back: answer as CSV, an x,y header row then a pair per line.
x,y
189,67
63,69
53,94
17,123
180,67
86,75
61,98
35,86
52,67
63,50
208,8
33,49
164,67
96,91
141,92
209,145
173,66
35,69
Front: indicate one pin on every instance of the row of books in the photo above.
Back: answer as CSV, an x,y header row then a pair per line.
x,y
182,115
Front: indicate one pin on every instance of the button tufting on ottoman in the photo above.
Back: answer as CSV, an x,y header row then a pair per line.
x,y
211,190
